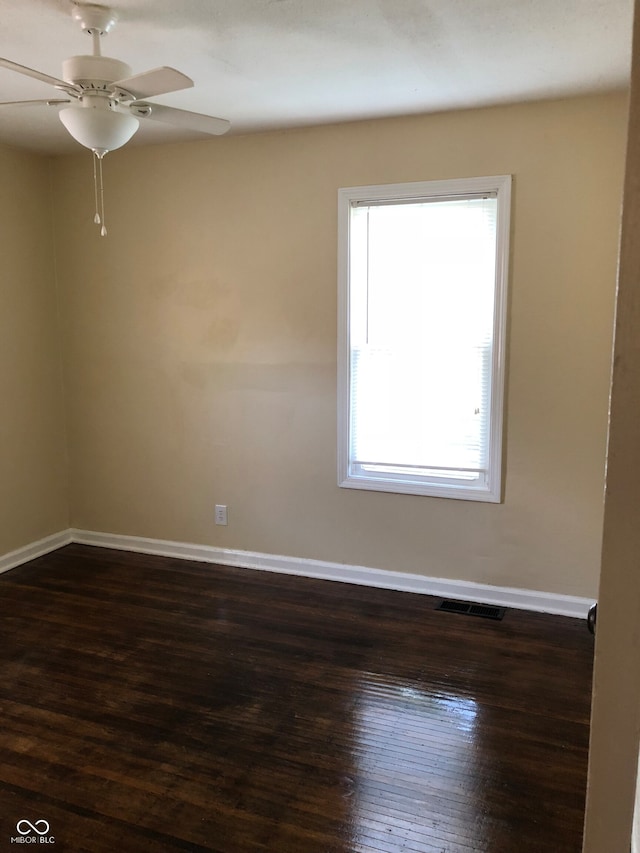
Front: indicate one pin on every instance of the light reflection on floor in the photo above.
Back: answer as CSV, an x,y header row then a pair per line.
x,y
414,767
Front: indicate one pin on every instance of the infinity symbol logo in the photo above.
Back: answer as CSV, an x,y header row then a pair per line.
x,y
32,827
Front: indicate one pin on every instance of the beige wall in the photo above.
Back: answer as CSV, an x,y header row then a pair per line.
x,y
33,466
200,342
612,794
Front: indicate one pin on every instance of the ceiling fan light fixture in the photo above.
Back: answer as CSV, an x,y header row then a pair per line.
x,y
108,99
99,129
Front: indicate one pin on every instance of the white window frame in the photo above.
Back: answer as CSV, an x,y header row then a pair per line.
x,y
491,490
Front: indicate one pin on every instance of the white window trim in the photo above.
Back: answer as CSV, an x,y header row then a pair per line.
x,y
492,491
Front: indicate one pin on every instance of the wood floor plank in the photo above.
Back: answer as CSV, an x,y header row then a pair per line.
x,y
152,704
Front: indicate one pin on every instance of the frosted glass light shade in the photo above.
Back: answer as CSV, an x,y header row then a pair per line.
x,y
101,130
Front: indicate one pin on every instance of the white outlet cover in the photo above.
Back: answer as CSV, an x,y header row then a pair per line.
x,y
221,514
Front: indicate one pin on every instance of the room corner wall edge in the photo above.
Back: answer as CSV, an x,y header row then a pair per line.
x,y
35,549
522,599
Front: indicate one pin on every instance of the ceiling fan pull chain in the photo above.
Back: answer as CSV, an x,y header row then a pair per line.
x,y
103,230
96,218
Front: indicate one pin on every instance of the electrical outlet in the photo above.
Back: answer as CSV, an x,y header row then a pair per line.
x,y
221,513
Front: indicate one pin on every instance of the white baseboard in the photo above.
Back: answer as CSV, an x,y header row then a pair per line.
x,y
523,599
35,549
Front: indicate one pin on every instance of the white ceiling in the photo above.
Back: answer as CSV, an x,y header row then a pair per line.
x,y
286,63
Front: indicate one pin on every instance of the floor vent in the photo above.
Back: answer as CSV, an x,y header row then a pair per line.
x,y
468,608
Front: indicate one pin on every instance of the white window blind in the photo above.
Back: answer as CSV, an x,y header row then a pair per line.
x,y
424,318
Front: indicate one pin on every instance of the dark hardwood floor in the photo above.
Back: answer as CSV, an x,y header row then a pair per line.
x,y
151,704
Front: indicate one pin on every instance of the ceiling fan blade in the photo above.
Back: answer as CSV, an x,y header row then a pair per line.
x,y
38,75
181,118
50,103
158,81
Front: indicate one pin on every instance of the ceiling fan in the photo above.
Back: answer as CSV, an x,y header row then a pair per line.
x,y
102,104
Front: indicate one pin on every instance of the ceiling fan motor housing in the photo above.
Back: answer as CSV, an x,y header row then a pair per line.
x,y
94,72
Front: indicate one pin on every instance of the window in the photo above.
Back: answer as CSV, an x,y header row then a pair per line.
x,y
422,278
